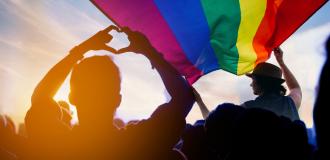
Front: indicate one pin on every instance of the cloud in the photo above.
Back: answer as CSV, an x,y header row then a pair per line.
x,y
35,19
46,30
10,71
33,39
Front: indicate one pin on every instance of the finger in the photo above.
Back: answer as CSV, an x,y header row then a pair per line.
x,y
107,39
108,48
103,37
124,50
276,52
109,28
126,30
280,50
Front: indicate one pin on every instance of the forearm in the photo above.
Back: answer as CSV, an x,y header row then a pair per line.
x,y
175,84
204,110
293,85
173,81
291,81
52,81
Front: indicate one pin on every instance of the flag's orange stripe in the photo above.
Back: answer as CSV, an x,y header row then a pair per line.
x,y
265,31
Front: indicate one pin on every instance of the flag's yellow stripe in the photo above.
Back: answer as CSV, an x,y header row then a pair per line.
x,y
252,12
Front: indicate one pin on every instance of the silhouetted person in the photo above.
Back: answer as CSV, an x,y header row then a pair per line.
x,y
95,91
11,145
260,134
233,132
212,140
321,110
267,85
6,130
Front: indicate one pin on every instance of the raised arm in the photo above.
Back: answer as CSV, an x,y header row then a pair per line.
x,y
204,110
176,85
294,88
49,85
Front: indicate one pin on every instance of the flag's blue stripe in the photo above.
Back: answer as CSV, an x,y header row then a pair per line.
x,y
188,23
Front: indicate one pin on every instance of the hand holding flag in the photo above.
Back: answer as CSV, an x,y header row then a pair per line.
x,y
139,43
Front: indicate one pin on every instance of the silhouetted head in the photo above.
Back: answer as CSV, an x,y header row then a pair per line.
x,y
256,135
95,86
321,108
267,78
219,125
261,134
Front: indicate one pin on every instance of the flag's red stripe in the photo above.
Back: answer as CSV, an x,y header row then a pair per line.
x,y
291,15
280,22
145,17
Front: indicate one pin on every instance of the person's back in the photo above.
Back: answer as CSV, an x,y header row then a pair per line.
x,y
279,104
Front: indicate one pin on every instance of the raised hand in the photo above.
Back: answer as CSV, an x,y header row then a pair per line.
x,y
278,53
138,42
291,81
98,41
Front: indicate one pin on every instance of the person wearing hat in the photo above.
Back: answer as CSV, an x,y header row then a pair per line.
x,y
267,85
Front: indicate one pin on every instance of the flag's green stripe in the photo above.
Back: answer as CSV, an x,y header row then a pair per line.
x,y
224,19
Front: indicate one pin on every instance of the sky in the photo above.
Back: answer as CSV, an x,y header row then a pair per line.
x,y
36,34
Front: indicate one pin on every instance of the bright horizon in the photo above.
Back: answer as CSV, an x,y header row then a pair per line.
x,y
35,35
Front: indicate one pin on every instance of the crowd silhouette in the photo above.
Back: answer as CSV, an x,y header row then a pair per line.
x,y
265,128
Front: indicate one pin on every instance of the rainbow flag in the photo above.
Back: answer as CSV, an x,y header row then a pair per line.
x,y
200,36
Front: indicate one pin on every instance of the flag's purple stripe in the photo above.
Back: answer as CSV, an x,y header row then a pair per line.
x,y
187,21
144,16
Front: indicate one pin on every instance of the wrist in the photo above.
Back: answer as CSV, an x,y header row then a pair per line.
x,y
153,54
147,51
78,51
281,62
81,48
282,66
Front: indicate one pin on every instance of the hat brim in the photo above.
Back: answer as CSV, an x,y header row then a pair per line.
x,y
280,80
249,75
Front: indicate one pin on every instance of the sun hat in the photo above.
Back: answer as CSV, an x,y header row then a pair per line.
x,y
267,70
